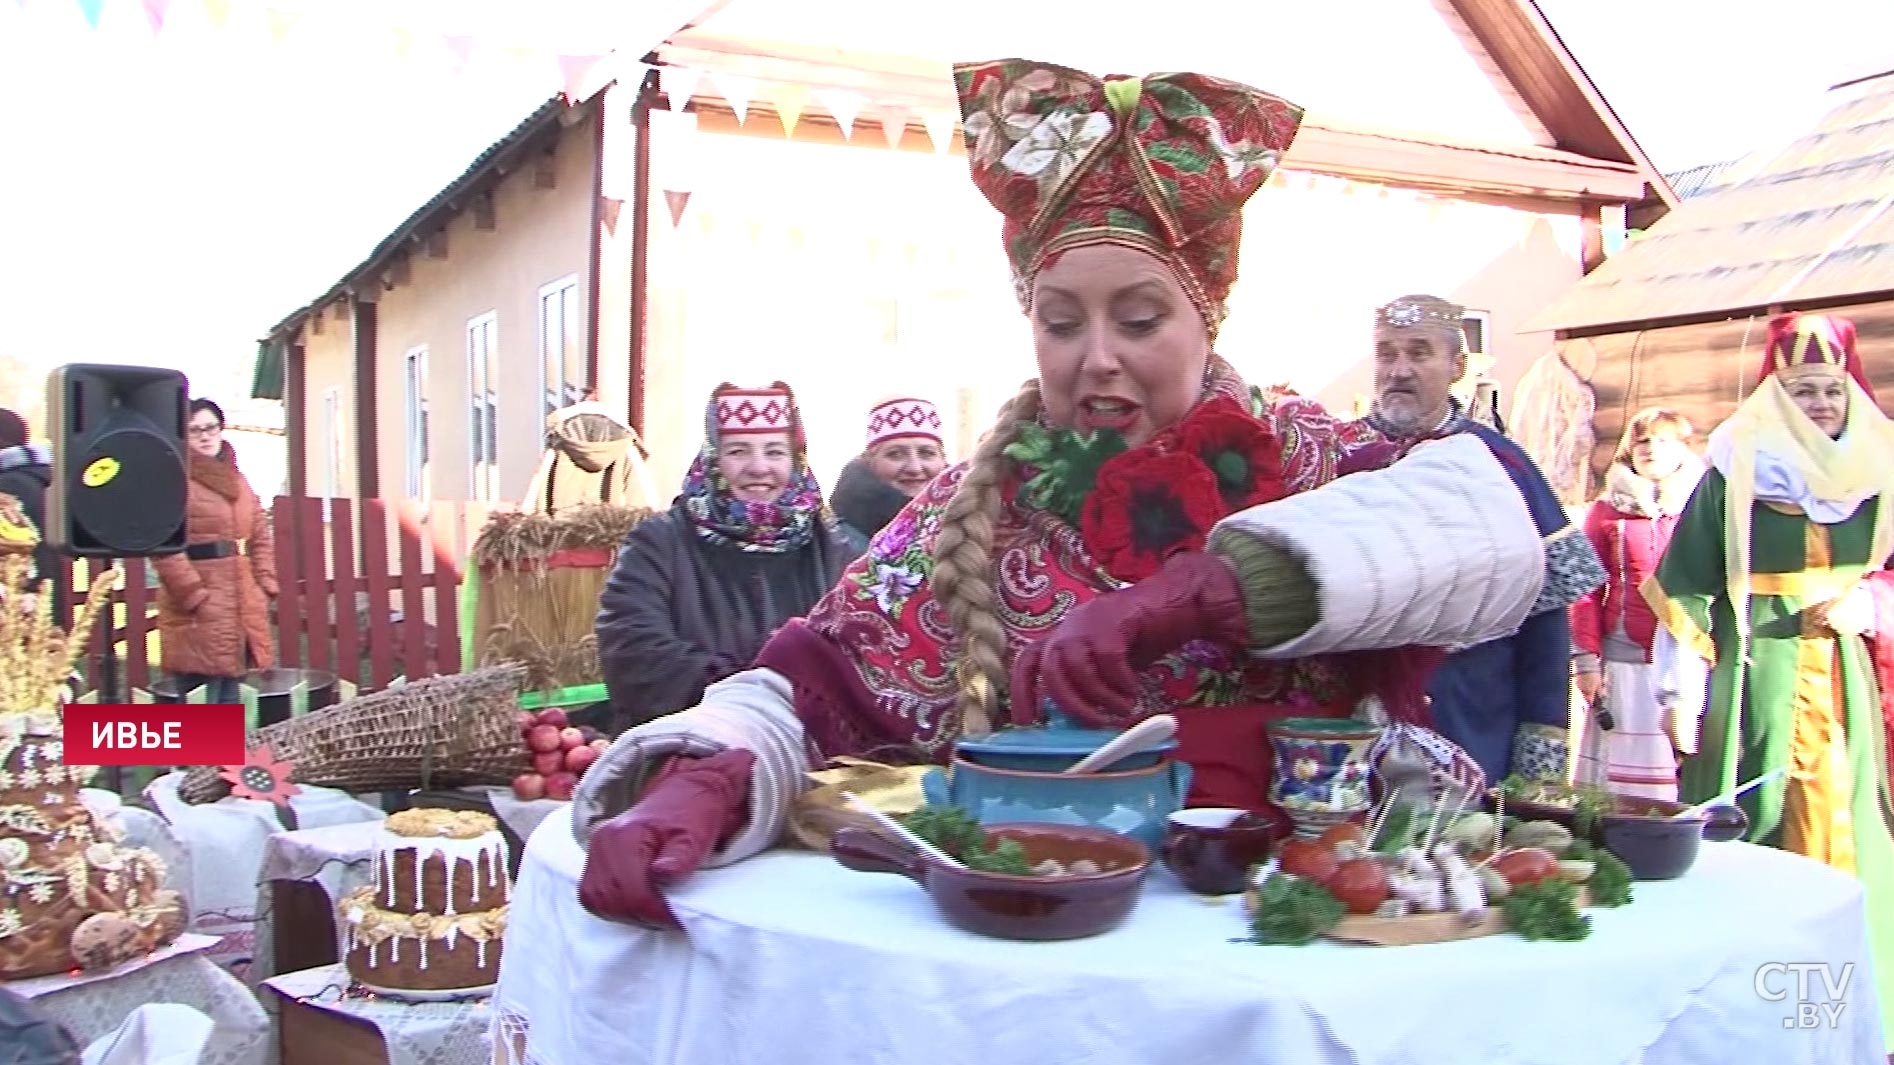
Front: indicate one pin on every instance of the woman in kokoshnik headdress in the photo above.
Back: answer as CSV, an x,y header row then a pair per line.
x,y
695,592
1770,581
1140,532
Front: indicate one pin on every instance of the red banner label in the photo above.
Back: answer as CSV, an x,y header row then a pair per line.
x,y
135,734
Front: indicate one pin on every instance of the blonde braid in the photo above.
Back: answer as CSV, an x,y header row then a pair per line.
x,y
963,568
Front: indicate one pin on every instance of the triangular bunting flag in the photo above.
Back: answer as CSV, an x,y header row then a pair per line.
x,y
91,8
462,47
404,44
735,89
676,201
790,98
574,69
281,22
521,56
218,11
679,85
155,11
845,106
940,129
894,122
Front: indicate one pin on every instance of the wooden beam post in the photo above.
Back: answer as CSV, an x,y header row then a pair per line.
x,y
367,445
296,413
1591,246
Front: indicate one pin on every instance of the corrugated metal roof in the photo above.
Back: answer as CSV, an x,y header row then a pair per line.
x,y
1813,221
268,377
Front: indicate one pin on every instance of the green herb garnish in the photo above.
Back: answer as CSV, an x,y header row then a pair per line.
x,y
1007,856
1610,883
955,831
1293,911
1546,910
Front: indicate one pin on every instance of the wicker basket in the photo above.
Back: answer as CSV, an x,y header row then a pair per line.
x,y
441,732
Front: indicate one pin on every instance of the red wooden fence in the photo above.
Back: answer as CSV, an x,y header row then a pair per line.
x,y
343,607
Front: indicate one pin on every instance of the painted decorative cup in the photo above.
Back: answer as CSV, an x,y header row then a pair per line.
x,y
1211,849
1322,770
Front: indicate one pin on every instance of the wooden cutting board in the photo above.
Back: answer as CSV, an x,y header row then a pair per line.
x,y
1414,928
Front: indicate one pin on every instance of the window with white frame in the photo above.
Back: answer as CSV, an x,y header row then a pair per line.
x,y
415,374
483,415
331,442
1475,326
561,345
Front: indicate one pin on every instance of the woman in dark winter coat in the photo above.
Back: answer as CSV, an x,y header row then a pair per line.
x,y
213,600
903,455
695,592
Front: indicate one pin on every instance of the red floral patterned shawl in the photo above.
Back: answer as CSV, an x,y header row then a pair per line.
x,y
873,665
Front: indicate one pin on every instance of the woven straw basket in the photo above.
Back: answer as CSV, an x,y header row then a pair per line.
x,y
443,732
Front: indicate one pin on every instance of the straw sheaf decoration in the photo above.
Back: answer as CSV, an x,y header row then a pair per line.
x,y
537,610
454,731
36,655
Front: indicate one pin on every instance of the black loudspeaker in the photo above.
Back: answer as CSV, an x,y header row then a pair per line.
x,y
119,482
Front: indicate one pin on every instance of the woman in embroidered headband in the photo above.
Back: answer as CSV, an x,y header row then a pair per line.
x,y
1626,746
1772,578
1141,531
904,453
695,592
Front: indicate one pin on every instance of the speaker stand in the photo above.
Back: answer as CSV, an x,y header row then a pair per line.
x,y
108,684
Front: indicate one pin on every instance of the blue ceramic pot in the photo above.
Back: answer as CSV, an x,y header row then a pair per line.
x,y
1131,802
1052,747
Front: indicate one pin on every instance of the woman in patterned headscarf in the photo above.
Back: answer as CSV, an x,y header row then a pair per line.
x,y
695,592
1771,580
1140,532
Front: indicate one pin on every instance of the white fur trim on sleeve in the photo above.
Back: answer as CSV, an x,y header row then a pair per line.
x,y
1437,550
750,711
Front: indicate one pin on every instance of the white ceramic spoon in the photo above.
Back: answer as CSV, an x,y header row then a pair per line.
x,y
1143,736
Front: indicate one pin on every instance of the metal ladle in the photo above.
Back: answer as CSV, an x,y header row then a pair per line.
x,y
1151,732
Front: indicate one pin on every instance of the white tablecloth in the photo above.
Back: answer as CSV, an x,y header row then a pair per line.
x,y
92,1009
790,958
418,1033
340,858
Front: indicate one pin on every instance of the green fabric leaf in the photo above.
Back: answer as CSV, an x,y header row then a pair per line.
x,y
1178,157
1067,465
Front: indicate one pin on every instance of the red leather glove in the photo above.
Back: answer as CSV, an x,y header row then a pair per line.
x,y
1088,667
692,806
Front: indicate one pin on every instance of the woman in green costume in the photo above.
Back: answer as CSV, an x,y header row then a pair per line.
x,y
1766,583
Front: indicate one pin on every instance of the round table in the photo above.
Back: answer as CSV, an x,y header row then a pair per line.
x,y
791,959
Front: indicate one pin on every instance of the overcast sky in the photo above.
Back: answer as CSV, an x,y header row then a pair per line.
x,y
168,204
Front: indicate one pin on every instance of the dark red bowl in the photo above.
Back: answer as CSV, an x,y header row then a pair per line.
x,y
1017,907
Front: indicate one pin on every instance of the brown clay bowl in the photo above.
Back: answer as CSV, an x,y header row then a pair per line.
x,y
1654,845
1017,907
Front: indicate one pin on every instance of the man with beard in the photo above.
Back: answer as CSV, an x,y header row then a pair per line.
x,y
1506,702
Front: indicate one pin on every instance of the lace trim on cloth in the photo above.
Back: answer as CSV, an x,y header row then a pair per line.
x,y
509,1037
1541,752
1572,570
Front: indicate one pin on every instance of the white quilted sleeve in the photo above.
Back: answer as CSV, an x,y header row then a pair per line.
x,y
750,711
1437,550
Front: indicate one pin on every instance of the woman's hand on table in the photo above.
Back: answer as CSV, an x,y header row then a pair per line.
x,y
1088,667
666,835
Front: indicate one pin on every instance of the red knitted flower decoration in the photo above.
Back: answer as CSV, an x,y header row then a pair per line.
x,y
262,777
1147,506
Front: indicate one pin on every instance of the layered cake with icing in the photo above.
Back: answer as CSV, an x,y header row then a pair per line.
x,y
72,896
433,914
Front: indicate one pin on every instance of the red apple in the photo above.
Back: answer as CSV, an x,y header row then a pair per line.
x,y
553,716
529,786
547,763
601,745
526,721
543,738
559,786
579,757
570,737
